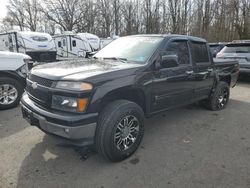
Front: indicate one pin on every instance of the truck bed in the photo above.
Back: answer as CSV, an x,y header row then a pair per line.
x,y
224,62
226,67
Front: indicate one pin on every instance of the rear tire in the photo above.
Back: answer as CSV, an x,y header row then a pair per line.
x,y
10,93
120,130
218,100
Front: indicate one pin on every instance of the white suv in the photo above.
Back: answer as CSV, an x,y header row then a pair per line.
x,y
13,71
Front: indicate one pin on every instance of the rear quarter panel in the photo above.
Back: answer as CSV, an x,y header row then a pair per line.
x,y
227,68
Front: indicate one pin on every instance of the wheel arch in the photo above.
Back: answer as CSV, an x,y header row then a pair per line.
x,y
226,78
135,95
13,75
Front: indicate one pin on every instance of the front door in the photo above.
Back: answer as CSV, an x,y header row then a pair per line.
x,y
174,86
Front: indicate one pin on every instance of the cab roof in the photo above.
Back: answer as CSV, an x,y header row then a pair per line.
x,y
169,36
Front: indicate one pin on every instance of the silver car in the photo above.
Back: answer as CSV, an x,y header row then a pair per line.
x,y
237,51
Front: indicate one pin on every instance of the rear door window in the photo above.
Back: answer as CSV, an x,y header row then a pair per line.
x,y
200,53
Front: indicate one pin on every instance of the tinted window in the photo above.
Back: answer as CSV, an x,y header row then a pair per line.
x,y
74,43
180,49
59,44
199,52
39,38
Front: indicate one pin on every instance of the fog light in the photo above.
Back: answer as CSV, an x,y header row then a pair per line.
x,y
66,130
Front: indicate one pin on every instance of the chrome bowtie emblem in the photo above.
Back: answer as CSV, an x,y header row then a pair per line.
x,y
34,85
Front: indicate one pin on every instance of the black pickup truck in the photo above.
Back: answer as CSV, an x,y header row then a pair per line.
x,y
102,101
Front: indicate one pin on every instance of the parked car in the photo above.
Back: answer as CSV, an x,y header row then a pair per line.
x,y
13,71
215,48
103,100
240,52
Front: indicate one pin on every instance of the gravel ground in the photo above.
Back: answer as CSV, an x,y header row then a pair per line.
x,y
186,147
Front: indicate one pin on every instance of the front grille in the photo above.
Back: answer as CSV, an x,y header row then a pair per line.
x,y
41,81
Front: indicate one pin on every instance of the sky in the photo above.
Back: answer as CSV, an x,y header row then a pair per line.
x,y
3,10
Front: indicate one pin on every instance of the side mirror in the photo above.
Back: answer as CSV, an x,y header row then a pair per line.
x,y
168,61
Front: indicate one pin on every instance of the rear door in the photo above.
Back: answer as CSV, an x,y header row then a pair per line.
x,y
203,69
174,86
65,48
59,47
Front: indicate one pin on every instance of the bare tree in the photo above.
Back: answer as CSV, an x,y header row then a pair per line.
x,y
66,13
15,15
24,13
116,10
215,20
32,13
244,21
105,12
130,14
88,20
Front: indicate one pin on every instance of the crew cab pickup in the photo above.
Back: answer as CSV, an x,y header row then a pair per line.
x,y
102,101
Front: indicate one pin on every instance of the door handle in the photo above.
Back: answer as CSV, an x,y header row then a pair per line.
x,y
189,72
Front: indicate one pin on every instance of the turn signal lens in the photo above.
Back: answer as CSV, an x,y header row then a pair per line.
x,y
82,104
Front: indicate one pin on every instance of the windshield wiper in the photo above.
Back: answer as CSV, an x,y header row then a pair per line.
x,y
124,60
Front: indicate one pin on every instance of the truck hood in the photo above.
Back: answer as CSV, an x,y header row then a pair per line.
x,y
79,69
10,61
13,55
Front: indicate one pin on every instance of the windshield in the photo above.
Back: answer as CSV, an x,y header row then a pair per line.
x,y
243,48
131,48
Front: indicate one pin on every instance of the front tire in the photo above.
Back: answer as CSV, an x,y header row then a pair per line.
x,y
10,93
219,98
120,130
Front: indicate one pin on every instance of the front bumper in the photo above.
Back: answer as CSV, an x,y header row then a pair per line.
x,y
75,129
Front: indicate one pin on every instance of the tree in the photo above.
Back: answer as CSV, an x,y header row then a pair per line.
x,y
130,17
32,14
15,15
116,7
23,13
215,20
66,13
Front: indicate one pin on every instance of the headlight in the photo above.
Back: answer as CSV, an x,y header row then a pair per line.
x,y
69,104
75,86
